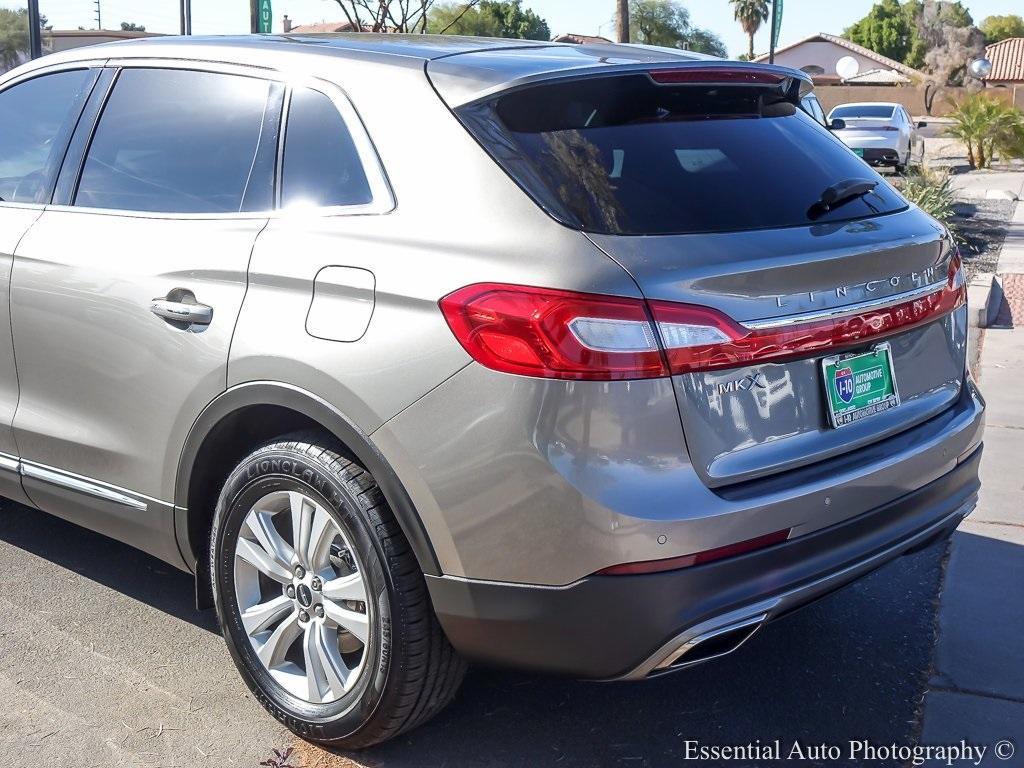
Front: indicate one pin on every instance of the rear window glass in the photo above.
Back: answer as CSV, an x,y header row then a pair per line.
x,y
862,110
624,155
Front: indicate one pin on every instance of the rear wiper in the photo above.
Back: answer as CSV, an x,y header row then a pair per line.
x,y
839,193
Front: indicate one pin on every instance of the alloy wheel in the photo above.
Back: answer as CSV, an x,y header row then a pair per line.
x,y
302,597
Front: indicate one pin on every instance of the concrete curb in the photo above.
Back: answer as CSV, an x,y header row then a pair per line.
x,y
977,299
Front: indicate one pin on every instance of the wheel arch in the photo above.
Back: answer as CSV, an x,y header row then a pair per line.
x,y
309,410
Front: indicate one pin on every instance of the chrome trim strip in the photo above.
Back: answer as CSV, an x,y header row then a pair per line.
x,y
10,463
81,485
839,312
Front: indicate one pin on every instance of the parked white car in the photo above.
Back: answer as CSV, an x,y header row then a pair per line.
x,y
882,133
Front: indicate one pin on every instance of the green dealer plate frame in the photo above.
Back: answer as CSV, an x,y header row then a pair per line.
x,y
866,378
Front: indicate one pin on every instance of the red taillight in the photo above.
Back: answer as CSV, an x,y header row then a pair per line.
x,y
729,344
554,334
707,556
566,335
730,75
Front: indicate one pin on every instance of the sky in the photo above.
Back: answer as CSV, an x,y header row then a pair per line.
x,y
801,18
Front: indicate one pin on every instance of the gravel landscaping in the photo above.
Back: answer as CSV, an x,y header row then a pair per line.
x,y
983,225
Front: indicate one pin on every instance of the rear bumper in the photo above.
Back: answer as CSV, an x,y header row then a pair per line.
x,y
881,155
629,627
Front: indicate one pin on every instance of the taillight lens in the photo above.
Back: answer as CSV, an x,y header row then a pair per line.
x,y
579,336
554,334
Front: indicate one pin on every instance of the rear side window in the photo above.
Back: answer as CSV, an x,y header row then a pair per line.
x,y
624,155
36,120
321,164
175,141
862,110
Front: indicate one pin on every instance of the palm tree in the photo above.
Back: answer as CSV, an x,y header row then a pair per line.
x,y
751,14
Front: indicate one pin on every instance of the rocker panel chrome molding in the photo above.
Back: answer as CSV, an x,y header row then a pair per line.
x,y
83,485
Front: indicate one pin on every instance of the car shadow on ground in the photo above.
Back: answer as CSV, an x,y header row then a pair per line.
x,y
104,561
851,666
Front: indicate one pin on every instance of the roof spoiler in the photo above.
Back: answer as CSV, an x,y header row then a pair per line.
x,y
461,86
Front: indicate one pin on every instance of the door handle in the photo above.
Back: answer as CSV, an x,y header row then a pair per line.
x,y
180,307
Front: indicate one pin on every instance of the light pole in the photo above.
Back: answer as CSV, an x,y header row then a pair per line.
x,y
771,42
186,17
35,31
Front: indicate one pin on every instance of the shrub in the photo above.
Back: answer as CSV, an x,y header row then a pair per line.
x,y
932,192
987,125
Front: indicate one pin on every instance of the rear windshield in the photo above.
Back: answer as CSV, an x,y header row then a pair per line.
x,y
862,110
624,155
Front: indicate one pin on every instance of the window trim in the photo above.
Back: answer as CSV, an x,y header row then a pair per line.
x,y
380,187
7,82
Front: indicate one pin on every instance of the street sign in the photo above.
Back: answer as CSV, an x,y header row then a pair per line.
x,y
776,24
266,17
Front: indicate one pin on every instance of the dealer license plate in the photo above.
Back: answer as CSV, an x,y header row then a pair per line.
x,y
859,386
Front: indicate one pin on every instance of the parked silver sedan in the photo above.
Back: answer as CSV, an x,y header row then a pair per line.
x,y
880,132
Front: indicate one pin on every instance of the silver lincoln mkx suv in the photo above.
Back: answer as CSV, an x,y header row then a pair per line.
x,y
420,350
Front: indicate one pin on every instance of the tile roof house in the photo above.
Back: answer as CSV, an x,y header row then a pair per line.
x,y
817,56
1007,57
322,27
570,37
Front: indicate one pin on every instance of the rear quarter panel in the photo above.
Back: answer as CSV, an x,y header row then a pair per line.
x,y
457,219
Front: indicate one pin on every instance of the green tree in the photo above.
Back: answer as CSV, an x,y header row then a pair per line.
x,y
892,28
751,14
987,125
998,28
490,18
888,29
13,37
667,23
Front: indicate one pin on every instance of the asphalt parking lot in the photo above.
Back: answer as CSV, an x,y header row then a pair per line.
x,y
105,662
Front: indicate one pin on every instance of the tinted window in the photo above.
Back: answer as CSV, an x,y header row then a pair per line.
x,y
624,155
175,141
862,110
813,108
36,119
321,165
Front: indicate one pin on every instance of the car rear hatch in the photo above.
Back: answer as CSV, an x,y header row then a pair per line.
x,y
764,248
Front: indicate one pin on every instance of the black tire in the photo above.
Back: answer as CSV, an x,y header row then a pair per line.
x,y
412,671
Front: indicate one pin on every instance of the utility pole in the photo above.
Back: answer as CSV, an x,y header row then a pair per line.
x,y
99,16
35,32
771,42
186,17
254,16
622,17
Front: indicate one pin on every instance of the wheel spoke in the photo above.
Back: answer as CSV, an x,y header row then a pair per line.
x,y
325,674
321,534
302,511
262,616
349,587
275,648
262,561
353,621
261,525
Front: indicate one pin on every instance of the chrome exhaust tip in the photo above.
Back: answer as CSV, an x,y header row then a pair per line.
x,y
712,644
